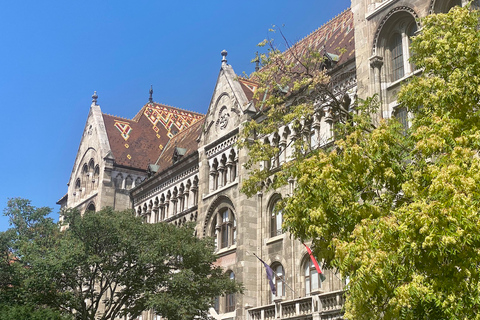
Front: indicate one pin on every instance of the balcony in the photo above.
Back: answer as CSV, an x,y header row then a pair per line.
x,y
321,306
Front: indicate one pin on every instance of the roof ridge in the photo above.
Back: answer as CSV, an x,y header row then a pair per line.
x,y
169,106
187,128
318,29
114,116
140,112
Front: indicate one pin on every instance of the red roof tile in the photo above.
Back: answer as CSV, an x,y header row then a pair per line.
x,y
186,139
336,34
139,142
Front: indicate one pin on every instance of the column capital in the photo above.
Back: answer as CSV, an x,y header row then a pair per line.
x,y
376,61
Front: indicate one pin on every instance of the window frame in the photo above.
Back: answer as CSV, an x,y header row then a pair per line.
x,y
278,280
276,218
230,301
309,272
223,227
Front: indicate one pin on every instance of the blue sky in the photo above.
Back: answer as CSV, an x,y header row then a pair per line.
x,y
54,54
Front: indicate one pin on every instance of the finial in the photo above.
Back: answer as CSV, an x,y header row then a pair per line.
x,y
151,93
257,62
94,98
224,56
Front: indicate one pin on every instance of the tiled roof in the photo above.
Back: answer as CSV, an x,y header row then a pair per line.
x,y
186,140
334,39
138,142
336,34
248,87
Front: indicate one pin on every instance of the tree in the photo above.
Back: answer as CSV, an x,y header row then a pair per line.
x,y
31,225
398,213
109,264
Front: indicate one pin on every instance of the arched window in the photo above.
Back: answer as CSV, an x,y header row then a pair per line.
x,y
395,43
443,6
279,280
223,227
96,173
312,278
276,219
232,166
230,298
91,207
118,181
85,168
77,183
128,182
91,165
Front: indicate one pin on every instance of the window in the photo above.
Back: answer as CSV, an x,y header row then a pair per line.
x,y
118,181
402,115
216,304
223,227
398,47
393,44
227,229
445,6
128,182
230,298
91,207
279,280
312,278
397,57
276,220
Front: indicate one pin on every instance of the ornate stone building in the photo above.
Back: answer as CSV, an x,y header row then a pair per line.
x,y
199,177
115,154
178,166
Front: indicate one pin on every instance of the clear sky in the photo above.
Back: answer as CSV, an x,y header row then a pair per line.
x,y
54,54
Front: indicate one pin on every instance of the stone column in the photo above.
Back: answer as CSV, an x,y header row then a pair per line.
x,y
376,62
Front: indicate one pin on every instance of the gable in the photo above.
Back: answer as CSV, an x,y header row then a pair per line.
x,y
229,100
139,142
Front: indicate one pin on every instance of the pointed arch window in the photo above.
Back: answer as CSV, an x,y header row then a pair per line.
x,y
223,227
91,207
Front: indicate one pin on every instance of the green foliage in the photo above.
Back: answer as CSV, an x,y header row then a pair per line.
x,y
399,213
28,312
109,264
292,87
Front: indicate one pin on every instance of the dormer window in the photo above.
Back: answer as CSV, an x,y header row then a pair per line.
x,y
329,61
151,170
178,153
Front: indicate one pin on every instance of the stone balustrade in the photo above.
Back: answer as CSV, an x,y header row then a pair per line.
x,y
319,306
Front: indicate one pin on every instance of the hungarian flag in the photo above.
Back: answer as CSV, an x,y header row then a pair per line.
x,y
315,263
270,275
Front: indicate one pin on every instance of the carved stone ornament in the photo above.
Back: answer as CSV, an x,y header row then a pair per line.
x,y
223,117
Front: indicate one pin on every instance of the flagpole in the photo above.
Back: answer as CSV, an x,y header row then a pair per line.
x,y
285,282
282,278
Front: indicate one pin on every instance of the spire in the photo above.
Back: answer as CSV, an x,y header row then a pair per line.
x,y
94,98
151,93
257,62
224,57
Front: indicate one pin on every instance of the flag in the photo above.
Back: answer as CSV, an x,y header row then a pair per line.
x,y
315,263
270,275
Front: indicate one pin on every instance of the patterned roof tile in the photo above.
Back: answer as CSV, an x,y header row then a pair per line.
x,y
139,142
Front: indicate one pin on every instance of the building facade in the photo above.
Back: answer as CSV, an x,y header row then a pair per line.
x,y
176,166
